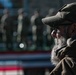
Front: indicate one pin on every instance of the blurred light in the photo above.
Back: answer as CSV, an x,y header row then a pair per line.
x,y
6,3
21,45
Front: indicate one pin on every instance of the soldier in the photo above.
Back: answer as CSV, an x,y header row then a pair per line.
x,y
66,17
23,27
39,29
7,29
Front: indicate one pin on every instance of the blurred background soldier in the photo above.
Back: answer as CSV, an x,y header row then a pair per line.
x,y
32,20
39,29
49,39
23,27
7,29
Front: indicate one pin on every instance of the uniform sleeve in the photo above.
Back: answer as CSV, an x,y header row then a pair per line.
x,y
64,51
